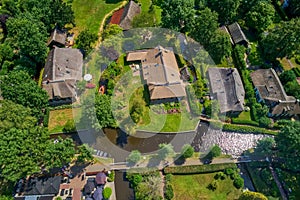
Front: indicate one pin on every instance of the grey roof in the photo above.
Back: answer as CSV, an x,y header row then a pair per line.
x,y
130,11
227,86
268,84
43,186
160,71
63,68
236,33
57,37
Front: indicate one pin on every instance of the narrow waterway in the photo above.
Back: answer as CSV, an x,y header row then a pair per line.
x,y
123,191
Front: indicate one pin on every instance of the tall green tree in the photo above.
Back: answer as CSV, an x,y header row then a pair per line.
x,y
30,37
135,156
18,87
165,150
260,16
288,143
85,41
265,146
206,24
219,47
178,15
287,76
21,143
227,9
58,152
187,151
282,41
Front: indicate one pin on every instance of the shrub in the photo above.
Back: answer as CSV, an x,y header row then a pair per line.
x,y
187,151
69,126
111,176
213,185
214,152
134,179
229,171
168,177
238,182
169,194
46,117
107,192
220,175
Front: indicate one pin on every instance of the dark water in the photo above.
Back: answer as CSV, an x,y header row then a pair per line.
x,y
123,191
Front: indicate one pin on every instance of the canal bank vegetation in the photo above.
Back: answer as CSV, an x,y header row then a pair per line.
x,y
196,169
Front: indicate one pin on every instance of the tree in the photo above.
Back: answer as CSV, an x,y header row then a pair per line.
x,y
260,16
85,154
248,195
227,9
206,24
30,37
238,182
21,143
135,156
178,15
287,76
264,122
165,150
149,189
103,111
112,29
107,191
288,143
18,87
292,88
214,152
282,41
187,151
265,146
219,46
59,152
85,41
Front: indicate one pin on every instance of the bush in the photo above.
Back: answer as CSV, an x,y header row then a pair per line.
x,y
134,157
238,182
46,117
187,151
134,179
168,177
195,169
244,122
169,193
111,176
213,185
69,126
107,192
229,171
220,175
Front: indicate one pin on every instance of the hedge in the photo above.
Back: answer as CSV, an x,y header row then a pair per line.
x,y
41,77
296,71
46,117
193,101
248,129
196,169
244,122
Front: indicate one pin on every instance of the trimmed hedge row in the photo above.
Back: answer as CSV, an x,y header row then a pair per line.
x,y
248,129
196,169
244,122
193,101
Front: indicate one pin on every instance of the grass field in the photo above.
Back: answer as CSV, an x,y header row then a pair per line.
x,y
58,118
187,187
90,13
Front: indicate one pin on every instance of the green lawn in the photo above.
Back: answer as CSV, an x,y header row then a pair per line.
x,y
58,118
90,13
187,187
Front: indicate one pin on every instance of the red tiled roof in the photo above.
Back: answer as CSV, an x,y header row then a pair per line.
x,y
116,17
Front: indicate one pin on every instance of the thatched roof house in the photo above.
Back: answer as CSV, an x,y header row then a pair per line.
x,y
62,70
57,38
227,87
160,72
269,90
124,16
236,34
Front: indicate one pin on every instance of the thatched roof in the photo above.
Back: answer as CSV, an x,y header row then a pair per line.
x,y
58,38
124,16
160,72
268,85
236,33
227,86
63,68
